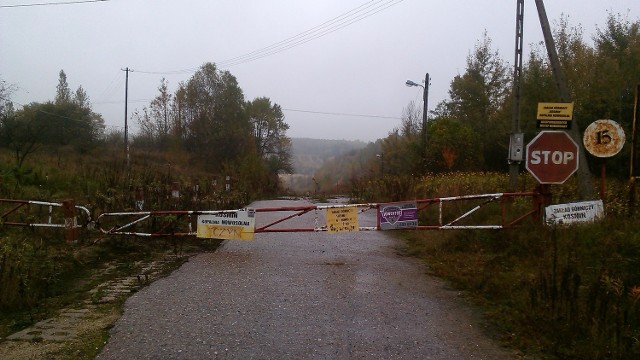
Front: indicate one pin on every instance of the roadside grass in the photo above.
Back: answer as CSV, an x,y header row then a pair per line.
x,y
569,293
551,292
41,273
41,276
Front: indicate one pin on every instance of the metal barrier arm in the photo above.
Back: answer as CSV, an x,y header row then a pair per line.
x,y
176,221
49,223
300,210
476,208
441,225
146,215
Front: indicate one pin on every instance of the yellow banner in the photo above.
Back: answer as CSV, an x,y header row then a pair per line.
x,y
555,111
342,219
223,232
227,225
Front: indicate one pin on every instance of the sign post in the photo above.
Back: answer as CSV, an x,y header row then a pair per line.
x,y
552,157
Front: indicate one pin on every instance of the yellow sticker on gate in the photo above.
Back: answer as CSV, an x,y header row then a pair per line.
x,y
227,225
224,232
342,219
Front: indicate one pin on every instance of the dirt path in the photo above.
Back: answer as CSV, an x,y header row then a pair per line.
x,y
298,296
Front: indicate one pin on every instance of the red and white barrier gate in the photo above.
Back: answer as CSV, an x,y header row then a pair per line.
x,y
35,214
447,213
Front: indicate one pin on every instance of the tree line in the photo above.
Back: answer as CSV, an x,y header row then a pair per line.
x,y
207,119
67,122
470,130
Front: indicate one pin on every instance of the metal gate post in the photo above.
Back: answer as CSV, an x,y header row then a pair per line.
x,y
541,200
70,220
139,198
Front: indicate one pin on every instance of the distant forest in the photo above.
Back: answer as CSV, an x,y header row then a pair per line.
x,y
308,155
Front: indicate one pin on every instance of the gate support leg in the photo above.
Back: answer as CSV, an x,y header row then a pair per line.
x,y
70,220
540,201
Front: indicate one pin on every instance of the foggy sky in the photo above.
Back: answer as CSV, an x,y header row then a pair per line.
x,y
359,69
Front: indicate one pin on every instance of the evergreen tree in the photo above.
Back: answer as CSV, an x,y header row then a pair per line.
x,y
63,92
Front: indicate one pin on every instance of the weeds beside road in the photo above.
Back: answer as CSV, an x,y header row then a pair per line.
x,y
555,293
567,293
96,278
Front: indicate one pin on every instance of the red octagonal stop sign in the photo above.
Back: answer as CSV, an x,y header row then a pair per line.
x,y
552,157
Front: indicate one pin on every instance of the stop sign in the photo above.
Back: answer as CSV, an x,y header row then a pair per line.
x,y
552,157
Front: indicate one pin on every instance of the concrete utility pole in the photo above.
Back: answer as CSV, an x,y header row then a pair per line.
x,y
585,183
126,127
425,111
516,143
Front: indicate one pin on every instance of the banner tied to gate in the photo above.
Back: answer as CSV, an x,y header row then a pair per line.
x,y
342,219
228,225
398,216
574,213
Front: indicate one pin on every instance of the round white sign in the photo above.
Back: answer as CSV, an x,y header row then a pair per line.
x,y
603,138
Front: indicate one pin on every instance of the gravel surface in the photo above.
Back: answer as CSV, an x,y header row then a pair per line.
x,y
299,296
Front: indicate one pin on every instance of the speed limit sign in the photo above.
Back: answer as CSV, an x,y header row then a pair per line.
x,y
603,138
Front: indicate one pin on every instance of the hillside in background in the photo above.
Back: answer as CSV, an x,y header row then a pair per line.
x,y
308,155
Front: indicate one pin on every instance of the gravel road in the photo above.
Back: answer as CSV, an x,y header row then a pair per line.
x,y
300,296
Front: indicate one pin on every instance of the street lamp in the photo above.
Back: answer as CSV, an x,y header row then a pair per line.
x,y
381,156
425,95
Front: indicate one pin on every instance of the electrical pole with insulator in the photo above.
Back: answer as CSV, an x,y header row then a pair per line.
x,y
425,112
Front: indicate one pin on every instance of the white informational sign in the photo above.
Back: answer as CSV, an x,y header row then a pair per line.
x,y
574,213
228,225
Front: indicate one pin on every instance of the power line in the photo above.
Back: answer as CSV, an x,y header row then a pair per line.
x,y
120,101
111,88
342,114
53,114
312,34
348,18
285,109
53,3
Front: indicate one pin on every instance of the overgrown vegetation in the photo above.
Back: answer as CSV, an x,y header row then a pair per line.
x,y
470,130
562,292
555,292
203,147
103,184
566,292
40,273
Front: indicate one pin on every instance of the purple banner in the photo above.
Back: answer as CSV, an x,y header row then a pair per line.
x,y
398,216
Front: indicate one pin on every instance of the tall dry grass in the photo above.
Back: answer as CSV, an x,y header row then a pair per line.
x,y
563,292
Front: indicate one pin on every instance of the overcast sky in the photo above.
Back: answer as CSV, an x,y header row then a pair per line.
x,y
357,68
